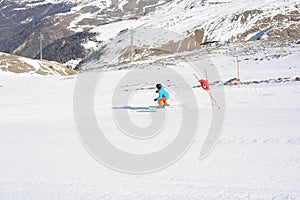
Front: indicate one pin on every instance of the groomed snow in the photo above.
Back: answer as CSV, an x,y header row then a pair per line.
x,y
257,156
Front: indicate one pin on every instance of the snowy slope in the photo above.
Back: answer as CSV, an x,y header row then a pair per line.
x,y
220,21
257,156
22,65
58,20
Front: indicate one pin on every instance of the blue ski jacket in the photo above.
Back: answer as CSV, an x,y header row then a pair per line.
x,y
162,93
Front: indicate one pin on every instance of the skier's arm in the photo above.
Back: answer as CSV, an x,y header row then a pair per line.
x,y
160,94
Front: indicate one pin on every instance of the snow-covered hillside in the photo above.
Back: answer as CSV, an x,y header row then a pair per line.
x,y
219,22
24,21
256,157
222,20
226,21
21,65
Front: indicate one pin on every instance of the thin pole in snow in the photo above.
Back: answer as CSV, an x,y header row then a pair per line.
x,y
41,45
131,45
206,76
238,71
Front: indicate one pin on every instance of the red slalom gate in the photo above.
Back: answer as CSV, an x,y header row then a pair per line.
x,y
205,86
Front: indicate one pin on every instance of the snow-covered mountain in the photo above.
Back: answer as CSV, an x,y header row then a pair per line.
x,y
203,22
23,22
73,29
220,21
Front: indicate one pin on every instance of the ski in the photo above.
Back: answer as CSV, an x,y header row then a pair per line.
x,y
156,107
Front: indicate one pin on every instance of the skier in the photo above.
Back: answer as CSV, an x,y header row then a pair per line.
x,y
163,95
